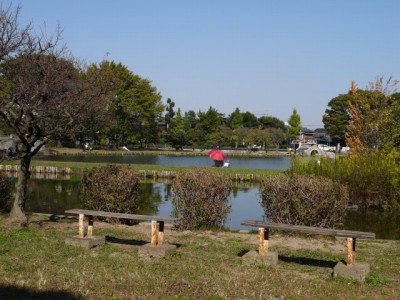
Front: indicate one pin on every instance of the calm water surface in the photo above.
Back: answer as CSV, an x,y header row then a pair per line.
x,y
55,196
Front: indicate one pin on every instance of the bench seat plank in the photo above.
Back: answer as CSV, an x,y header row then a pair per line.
x,y
157,234
310,230
106,214
264,227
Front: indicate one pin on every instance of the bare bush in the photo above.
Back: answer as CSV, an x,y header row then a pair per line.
x,y
200,199
304,200
111,188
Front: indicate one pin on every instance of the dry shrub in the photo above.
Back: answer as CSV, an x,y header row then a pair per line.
x,y
111,188
200,199
304,200
5,193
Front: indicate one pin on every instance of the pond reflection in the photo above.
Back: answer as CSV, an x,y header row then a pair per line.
x,y
155,198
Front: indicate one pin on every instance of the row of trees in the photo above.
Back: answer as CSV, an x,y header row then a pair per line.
x,y
135,114
46,94
205,129
127,109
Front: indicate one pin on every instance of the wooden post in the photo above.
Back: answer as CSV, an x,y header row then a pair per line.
x,y
90,227
154,233
351,251
263,236
81,225
160,232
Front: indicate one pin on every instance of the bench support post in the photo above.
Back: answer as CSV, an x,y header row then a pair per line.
x,y
263,237
160,233
90,227
81,225
351,251
154,233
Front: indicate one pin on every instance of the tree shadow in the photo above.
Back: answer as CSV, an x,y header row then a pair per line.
x,y
243,252
23,293
308,261
126,242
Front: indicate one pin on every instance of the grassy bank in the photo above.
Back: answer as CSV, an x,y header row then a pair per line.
x,y
35,261
190,152
147,170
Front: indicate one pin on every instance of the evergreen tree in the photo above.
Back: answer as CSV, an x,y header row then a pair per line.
x,y
294,125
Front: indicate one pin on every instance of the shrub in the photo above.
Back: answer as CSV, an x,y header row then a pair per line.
x,y
5,193
304,200
111,188
200,199
373,179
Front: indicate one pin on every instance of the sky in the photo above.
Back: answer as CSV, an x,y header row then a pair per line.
x,y
266,57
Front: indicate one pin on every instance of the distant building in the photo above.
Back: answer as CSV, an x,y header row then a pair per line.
x,y
317,136
8,144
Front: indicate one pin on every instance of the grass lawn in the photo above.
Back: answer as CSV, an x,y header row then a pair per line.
x,y
35,263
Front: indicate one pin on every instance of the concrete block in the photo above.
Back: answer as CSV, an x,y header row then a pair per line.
x,y
252,258
148,252
86,242
356,271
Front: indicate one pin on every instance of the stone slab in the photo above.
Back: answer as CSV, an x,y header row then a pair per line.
x,y
148,252
86,242
356,271
252,258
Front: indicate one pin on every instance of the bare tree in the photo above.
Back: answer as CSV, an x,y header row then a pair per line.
x,y
43,93
13,38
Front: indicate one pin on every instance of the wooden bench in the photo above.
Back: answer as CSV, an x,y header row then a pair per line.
x,y
264,227
157,223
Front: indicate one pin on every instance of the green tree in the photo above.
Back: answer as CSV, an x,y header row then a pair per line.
x,y
190,122
272,122
221,136
294,125
177,133
276,136
208,123
170,113
250,120
235,123
336,117
256,136
236,119
136,106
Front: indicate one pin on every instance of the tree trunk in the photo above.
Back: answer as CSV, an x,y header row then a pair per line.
x,y
18,208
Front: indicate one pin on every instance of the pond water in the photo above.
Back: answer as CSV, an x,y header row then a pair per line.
x,y
55,196
270,163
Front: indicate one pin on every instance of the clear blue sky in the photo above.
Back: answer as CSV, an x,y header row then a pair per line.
x,y
263,56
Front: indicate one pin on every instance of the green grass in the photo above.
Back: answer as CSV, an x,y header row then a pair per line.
x,y
35,261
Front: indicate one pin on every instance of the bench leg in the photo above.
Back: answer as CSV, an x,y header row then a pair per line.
x,y
81,225
351,251
263,237
154,233
90,227
160,233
